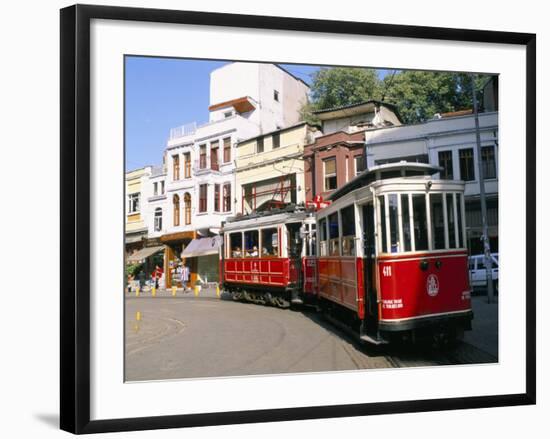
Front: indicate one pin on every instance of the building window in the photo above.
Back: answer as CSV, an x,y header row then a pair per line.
x,y
275,95
176,202
466,157
202,159
176,168
260,145
276,140
227,149
330,174
203,197
133,202
227,197
187,206
227,114
446,162
187,165
162,187
155,188
359,164
214,148
488,162
216,198
158,219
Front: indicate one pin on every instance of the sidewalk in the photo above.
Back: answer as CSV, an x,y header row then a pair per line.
x,y
209,292
484,333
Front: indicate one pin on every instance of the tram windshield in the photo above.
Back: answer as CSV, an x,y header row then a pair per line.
x,y
420,222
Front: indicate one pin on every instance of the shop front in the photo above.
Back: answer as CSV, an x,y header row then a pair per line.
x,y
203,253
179,271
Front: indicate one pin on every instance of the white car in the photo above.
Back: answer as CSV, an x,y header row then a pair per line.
x,y
478,273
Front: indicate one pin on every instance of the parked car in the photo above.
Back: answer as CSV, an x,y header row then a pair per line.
x,y
478,273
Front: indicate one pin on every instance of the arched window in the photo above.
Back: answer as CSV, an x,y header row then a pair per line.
x,y
187,202
176,201
158,219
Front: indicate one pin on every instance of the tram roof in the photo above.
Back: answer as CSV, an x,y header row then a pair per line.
x,y
382,172
275,216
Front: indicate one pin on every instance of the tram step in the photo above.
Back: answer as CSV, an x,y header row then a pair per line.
x,y
374,340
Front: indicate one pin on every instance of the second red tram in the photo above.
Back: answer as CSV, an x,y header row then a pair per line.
x,y
387,257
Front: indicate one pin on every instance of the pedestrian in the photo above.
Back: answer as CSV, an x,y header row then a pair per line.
x,y
157,274
185,276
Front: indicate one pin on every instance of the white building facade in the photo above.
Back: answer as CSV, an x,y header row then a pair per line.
x,y
449,142
246,100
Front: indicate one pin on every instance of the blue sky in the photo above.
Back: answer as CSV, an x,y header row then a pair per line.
x,y
163,93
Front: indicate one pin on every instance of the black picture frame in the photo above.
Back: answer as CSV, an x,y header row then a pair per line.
x,y
75,218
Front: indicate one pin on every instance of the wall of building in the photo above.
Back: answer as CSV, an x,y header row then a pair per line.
x,y
253,167
136,182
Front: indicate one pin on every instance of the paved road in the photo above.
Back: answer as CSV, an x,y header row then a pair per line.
x,y
188,337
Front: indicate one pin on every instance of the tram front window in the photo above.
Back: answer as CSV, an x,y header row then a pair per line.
x,y
420,222
270,243
437,220
394,223
406,218
451,220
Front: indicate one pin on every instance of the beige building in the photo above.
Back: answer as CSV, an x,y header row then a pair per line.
x,y
136,208
270,168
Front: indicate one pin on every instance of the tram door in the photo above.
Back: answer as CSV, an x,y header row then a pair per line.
x,y
369,276
294,248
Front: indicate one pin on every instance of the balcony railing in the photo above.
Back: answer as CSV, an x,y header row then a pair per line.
x,y
183,130
205,164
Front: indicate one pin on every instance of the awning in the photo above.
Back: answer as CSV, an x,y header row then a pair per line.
x,y
202,247
144,253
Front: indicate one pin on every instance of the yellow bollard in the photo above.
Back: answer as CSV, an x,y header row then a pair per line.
x,y
174,288
196,291
154,291
137,291
138,316
217,290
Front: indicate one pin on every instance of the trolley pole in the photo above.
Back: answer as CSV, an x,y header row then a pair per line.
x,y
485,227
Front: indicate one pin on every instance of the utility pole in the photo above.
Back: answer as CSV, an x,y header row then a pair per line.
x,y
485,227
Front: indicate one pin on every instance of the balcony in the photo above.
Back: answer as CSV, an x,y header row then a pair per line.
x,y
205,164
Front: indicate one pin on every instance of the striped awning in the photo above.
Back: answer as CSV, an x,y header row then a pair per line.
x,y
202,247
144,253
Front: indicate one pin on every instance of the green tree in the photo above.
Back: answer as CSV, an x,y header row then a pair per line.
x,y
418,95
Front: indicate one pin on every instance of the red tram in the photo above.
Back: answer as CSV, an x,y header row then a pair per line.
x,y
387,257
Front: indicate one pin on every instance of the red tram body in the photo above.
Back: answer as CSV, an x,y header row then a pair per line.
x,y
387,257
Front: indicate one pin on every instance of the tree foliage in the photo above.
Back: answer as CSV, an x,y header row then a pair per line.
x,y
418,95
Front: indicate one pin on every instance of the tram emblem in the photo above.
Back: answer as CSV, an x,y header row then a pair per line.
x,y
432,285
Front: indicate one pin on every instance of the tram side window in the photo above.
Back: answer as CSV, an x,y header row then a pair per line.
x,y
236,245
270,243
251,244
406,219
420,223
383,235
348,231
323,237
451,220
459,218
394,223
334,234
438,221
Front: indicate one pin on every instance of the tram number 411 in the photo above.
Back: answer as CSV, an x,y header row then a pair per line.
x,y
386,270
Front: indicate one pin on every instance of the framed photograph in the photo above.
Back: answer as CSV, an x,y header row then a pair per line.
x,y
275,218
